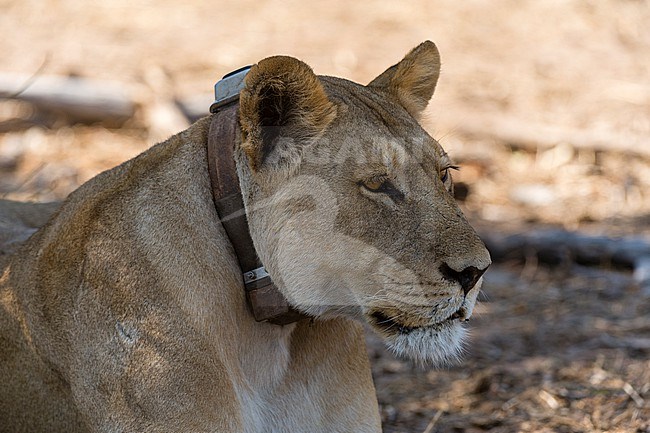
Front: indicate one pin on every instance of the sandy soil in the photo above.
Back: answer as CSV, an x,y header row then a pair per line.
x,y
544,104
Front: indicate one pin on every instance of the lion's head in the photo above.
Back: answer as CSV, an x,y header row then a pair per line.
x,y
350,201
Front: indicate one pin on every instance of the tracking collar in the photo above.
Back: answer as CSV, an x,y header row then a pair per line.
x,y
265,300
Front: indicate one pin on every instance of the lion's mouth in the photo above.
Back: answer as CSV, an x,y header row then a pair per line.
x,y
391,325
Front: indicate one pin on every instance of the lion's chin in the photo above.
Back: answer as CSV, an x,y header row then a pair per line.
x,y
432,346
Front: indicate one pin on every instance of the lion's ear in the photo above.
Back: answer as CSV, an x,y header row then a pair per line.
x,y
283,106
413,80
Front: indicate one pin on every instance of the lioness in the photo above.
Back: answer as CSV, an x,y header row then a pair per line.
x,y
126,311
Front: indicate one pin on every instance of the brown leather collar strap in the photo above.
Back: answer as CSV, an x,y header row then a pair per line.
x,y
264,299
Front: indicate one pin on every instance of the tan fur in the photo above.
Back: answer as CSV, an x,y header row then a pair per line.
x,y
126,311
285,85
414,79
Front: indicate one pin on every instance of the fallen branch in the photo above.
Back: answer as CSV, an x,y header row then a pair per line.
x,y
555,247
532,136
18,221
79,99
196,107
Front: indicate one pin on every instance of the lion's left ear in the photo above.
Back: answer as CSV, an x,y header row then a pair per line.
x,y
282,107
413,80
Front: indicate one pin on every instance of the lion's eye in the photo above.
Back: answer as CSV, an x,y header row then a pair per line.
x,y
383,186
374,185
444,176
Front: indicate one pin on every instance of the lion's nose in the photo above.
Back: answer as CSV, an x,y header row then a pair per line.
x,y
467,278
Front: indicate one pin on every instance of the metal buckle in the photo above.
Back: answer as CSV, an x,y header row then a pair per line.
x,y
265,300
227,89
253,279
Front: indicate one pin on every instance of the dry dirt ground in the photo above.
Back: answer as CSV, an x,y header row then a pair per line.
x,y
545,105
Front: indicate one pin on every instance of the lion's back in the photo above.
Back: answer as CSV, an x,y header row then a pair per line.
x,y
28,383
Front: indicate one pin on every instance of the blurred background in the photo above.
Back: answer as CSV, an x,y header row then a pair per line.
x,y
544,104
